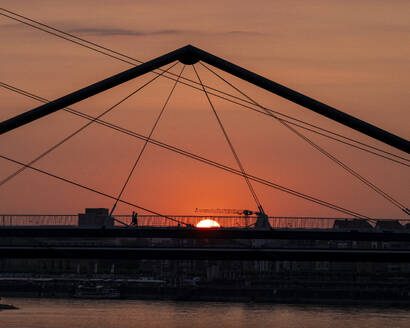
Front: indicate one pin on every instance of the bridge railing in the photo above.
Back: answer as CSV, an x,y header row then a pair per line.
x,y
180,220
234,221
38,220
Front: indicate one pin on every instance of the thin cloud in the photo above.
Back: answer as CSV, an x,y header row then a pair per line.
x,y
250,33
128,32
121,32
11,26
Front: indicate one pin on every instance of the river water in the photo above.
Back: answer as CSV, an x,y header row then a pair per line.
x,y
73,313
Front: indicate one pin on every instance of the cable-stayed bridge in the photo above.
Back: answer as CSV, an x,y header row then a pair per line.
x,y
192,56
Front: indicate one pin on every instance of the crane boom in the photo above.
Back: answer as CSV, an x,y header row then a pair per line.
x,y
224,211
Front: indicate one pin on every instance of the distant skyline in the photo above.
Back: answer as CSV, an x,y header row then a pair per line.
x,y
352,55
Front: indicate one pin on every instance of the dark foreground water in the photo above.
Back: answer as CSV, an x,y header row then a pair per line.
x,y
73,313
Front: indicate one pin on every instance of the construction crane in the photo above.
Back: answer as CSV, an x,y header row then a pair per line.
x,y
224,211
262,221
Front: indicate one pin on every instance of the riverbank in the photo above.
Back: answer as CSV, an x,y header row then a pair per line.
x,y
69,313
7,307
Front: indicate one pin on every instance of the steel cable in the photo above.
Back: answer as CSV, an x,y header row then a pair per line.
x,y
207,161
197,88
80,129
238,161
89,189
31,95
146,141
322,150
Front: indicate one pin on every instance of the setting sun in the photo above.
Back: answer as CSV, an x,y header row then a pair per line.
x,y
208,224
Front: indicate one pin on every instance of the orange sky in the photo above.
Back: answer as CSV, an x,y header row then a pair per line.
x,y
353,55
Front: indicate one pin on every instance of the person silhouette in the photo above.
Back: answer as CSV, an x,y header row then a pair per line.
x,y
134,220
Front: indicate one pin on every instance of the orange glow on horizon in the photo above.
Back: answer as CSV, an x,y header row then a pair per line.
x,y
208,224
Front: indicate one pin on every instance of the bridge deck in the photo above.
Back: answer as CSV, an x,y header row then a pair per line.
x,y
194,233
193,243
185,253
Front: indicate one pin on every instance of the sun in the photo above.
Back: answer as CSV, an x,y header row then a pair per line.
x,y
208,224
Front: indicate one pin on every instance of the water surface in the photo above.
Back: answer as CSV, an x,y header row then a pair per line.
x,y
73,313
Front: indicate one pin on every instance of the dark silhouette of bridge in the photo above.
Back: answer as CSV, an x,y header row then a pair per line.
x,y
190,55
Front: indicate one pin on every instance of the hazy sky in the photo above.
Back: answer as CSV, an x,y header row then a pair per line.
x,y
353,55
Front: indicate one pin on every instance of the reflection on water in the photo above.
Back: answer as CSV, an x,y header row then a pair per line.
x,y
72,313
